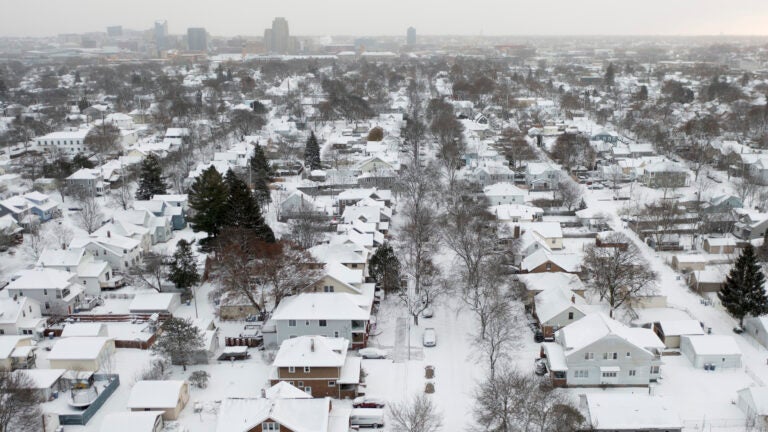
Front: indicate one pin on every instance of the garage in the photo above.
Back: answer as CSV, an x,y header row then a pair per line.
x,y
711,352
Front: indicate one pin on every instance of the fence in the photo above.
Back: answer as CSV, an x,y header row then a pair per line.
x,y
249,342
84,417
706,424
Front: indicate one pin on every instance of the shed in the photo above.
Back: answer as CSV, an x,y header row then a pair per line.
x,y
155,303
670,331
145,421
94,329
757,327
170,397
44,381
688,262
627,412
720,351
82,353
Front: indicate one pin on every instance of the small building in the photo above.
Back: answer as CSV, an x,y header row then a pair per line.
x,y
757,327
504,193
688,262
45,381
10,349
720,245
753,402
170,397
718,351
139,421
85,329
627,412
670,331
710,279
155,303
82,353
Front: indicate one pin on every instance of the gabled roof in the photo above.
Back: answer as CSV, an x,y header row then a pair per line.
x,y
502,189
568,262
155,394
130,421
316,306
339,253
555,300
42,278
8,344
298,415
627,411
60,258
78,348
596,326
542,281
283,390
312,351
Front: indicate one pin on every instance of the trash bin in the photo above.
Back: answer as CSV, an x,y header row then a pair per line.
x,y
429,388
429,372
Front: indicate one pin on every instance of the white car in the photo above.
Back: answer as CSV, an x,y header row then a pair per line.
x,y
372,353
429,338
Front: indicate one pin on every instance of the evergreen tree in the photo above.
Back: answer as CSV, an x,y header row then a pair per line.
x,y
183,272
242,210
150,179
610,74
384,267
312,153
743,293
262,174
208,198
179,340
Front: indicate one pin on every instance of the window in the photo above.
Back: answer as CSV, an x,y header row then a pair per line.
x,y
291,323
291,369
47,305
570,315
2,332
632,372
308,390
328,289
629,354
306,323
323,323
300,384
610,356
335,334
331,383
549,266
609,374
270,426
45,292
654,369
581,374
589,356
307,369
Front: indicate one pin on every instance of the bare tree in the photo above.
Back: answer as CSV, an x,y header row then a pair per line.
x,y
103,140
512,401
20,410
89,217
430,291
61,234
35,241
659,218
152,272
307,228
569,192
617,272
417,415
501,336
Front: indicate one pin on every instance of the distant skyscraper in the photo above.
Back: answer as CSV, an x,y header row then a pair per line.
x,y
411,36
197,39
115,31
161,35
276,39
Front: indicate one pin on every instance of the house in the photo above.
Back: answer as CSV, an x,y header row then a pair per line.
x,y
337,315
557,307
42,206
16,352
720,245
162,303
641,150
350,197
665,174
545,261
757,327
87,181
318,365
605,136
10,232
716,351
751,224
551,233
19,209
85,329
491,172
670,331
536,283
628,412
93,275
275,414
126,229
504,193
82,353
67,143
159,226
339,278
139,421
20,316
44,381
753,402
174,212
170,397
57,291
516,213
599,351
541,175
122,253
341,253
299,204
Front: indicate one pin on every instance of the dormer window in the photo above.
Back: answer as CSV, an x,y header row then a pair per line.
x,y
270,426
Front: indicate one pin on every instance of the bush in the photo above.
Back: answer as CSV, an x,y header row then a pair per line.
x,y
158,370
199,379
376,134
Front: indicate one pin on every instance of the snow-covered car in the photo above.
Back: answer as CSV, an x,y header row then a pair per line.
x,y
429,338
368,402
372,353
428,313
540,367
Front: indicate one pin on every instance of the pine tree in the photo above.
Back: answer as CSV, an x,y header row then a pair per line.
x,y
150,179
384,267
243,211
183,272
743,293
610,74
207,199
179,340
262,173
312,153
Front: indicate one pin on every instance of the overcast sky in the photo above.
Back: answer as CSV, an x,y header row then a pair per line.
x,y
393,17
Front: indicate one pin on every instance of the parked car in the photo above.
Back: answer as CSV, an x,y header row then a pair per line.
x,y
738,330
372,353
3,284
367,402
367,417
538,336
429,338
428,313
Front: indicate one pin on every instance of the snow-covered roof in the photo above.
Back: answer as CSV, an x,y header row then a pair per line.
x,y
568,262
60,258
8,344
283,390
627,411
502,189
83,330
312,351
297,415
155,394
555,300
340,253
681,327
78,348
596,326
42,278
317,306
130,421
713,344
42,378
542,281
153,302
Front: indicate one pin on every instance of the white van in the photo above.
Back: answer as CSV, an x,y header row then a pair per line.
x,y
367,417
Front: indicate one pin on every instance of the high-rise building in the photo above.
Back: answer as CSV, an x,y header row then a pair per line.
x,y
411,36
197,39
276,39
161,35
115,31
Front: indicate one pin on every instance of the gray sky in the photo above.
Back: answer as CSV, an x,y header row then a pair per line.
x,y
392,17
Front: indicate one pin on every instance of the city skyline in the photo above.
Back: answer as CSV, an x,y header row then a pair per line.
x,y
346,17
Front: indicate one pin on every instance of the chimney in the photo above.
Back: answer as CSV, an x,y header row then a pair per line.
x,y
312,344
109,234
573,299
263,393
